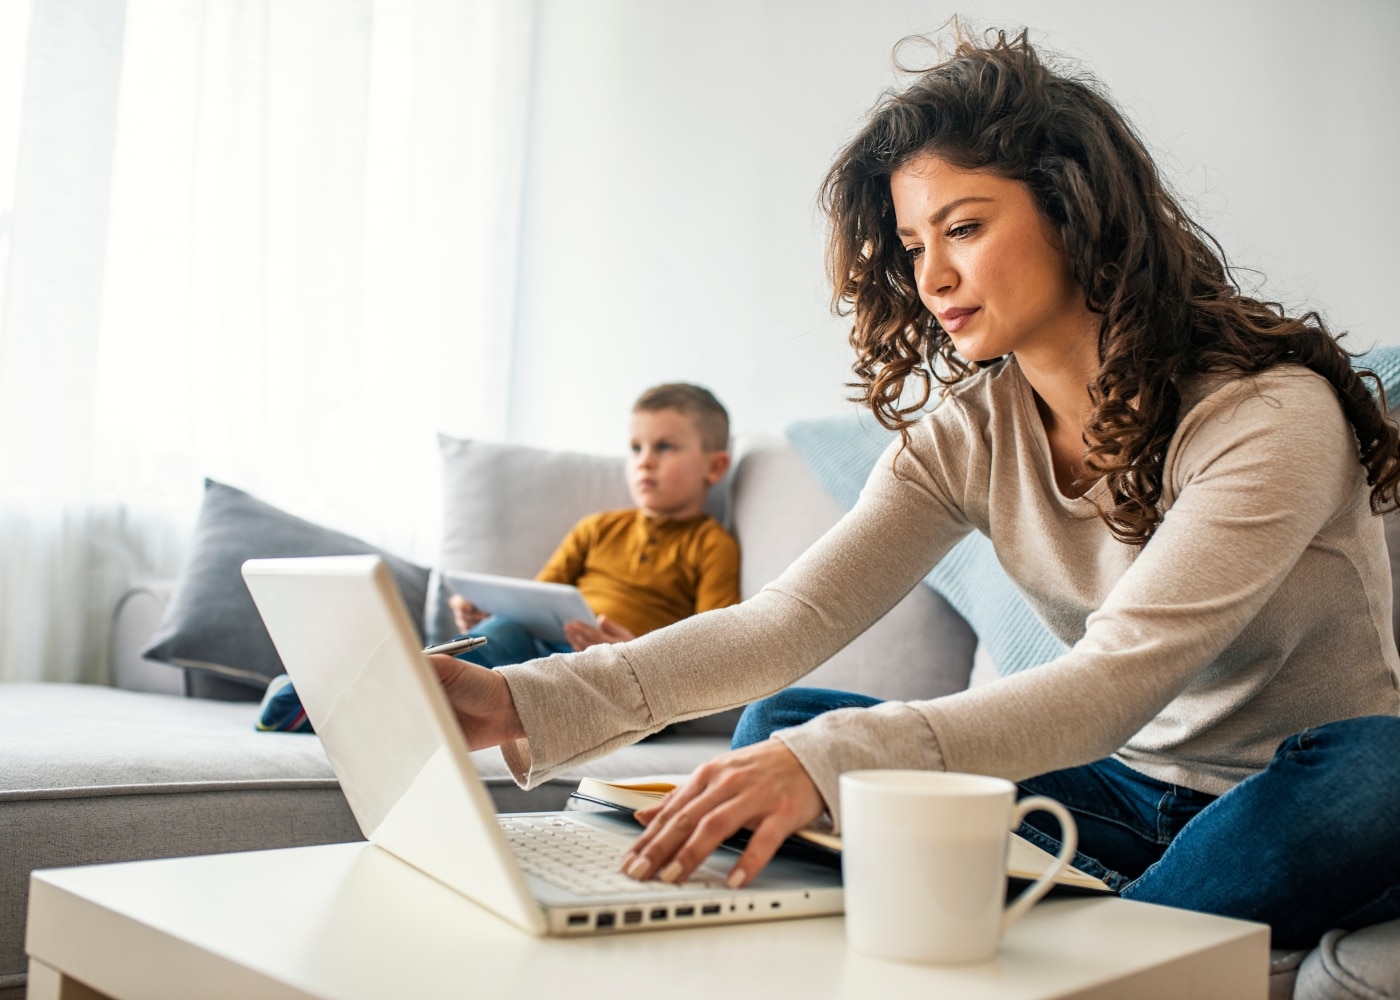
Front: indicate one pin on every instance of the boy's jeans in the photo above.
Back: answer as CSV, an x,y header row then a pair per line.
x,y
1310,843
507,642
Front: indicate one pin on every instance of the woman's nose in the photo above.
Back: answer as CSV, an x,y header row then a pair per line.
x,y
936,276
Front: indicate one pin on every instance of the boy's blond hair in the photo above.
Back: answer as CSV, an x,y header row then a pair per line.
x,y
699,404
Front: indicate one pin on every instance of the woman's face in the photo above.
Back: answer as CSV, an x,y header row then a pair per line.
x,y
988,264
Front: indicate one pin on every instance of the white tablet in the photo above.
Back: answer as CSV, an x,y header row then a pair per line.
x,y
542,608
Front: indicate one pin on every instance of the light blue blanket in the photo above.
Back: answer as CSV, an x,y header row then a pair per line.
x,y
841,451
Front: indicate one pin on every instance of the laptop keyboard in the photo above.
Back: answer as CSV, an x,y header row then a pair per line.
x,y
584,859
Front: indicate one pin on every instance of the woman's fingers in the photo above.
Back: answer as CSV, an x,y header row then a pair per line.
x,y
762,846
762,788
678,841
658,822
481,701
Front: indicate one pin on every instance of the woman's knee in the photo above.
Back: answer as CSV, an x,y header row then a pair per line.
x,y
791,707
1336,782
1369,744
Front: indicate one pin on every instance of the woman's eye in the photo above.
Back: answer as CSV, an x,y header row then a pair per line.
x,y
961,231
913,252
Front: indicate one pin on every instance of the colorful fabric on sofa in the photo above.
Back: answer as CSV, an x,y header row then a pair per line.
x,y
841,451
281,711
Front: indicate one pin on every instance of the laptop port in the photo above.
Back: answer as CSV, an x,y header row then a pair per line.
x,y
659,913
606,920
685,911
710,909
578,919
775,904
632,917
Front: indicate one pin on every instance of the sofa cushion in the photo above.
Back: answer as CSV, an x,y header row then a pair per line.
x,y
507,507
211,626
1353,965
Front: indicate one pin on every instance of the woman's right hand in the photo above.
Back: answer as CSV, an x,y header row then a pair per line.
x,y
465,614
480,700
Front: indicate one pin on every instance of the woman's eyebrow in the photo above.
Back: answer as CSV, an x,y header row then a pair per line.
x,y
936,219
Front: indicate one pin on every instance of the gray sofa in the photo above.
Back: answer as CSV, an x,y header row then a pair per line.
x,y
141,770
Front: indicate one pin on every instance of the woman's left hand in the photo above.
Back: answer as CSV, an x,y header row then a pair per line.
x,y
761,787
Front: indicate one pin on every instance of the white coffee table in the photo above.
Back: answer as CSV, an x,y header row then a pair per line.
x,y
350,921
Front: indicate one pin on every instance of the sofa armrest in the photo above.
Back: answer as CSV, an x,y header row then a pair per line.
x,y
136,616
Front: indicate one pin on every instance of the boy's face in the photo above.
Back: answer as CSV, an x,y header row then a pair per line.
x,y
669,470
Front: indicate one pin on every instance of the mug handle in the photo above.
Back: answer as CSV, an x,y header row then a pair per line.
x,y
1069,843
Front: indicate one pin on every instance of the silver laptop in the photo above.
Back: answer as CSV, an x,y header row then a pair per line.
x,y
353,654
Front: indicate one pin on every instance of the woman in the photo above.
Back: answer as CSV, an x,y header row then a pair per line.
x,y
1182,480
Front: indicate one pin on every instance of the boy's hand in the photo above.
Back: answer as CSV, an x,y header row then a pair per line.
x,y
480,700
582,635
465,614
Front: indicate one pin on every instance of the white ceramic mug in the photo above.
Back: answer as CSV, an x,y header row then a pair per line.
x,y
924,862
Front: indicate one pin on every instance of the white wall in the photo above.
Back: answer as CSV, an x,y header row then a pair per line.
x,y
670,229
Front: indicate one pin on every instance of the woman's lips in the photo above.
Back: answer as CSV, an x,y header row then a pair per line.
x,y
953,320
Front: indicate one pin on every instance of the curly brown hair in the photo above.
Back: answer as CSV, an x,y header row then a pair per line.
x,y
1169,306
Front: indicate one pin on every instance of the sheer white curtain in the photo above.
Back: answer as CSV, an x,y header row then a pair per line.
x,y
283,257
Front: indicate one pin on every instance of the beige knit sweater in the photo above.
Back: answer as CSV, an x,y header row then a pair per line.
x,y
1261,606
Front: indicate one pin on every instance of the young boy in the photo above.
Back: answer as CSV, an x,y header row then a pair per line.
x,y
645,567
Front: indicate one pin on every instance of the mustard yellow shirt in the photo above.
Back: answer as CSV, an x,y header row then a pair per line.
x,y
645,573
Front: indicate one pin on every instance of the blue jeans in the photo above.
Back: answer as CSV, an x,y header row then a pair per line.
x,y
507,642
1310,843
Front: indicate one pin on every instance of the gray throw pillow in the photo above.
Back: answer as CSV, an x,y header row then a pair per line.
x,y
211,626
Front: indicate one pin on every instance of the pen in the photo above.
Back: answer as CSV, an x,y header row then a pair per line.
x,y
457,646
